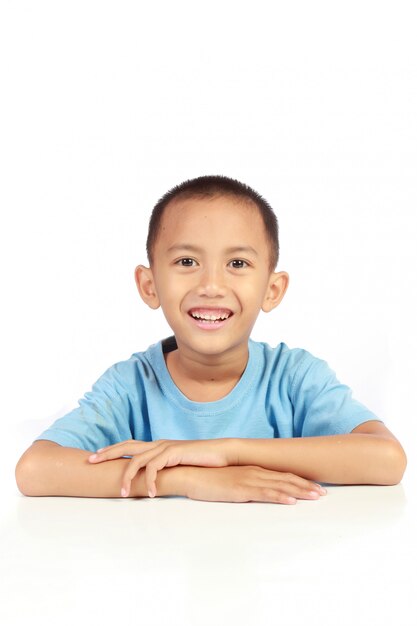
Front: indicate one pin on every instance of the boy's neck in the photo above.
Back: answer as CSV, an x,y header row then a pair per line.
x,y
206,370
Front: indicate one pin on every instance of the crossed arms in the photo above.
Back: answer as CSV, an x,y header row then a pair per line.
x,y
266,470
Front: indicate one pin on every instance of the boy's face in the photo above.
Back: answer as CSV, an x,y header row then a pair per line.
x,y
196,269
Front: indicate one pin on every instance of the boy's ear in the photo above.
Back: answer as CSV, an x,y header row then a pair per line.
x,y
278,285
146,286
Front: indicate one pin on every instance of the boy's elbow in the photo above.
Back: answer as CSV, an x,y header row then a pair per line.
x,y
23,473
28,476
396,463
28,471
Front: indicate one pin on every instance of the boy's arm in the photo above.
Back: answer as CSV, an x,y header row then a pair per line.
x,y
48,469
369,455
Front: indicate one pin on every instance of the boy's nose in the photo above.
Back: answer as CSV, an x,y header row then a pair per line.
x,y
212,282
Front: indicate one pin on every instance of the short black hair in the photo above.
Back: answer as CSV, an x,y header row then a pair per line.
x,y
208,187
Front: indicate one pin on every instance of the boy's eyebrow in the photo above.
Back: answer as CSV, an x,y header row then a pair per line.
x,y
191,248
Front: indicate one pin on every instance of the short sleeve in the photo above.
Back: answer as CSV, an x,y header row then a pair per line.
x,y
322,405
101,419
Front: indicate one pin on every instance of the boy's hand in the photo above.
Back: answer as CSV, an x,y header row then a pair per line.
x,y
248,483
156,455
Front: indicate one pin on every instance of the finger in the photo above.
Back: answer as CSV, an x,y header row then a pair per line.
x,y
125,490
130,472
134,465
285,486
132,468
152,468
298,481
126,448
274,495
151,473
291,490
167,458
304,483
308,485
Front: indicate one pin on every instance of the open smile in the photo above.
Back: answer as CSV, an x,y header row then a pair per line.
x,y
208,319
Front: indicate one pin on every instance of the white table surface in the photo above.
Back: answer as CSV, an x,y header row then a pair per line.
x,y
348,558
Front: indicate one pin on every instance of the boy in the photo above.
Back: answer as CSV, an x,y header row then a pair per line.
x,y
209,413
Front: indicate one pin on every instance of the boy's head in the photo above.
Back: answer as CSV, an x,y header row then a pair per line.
x,y
212,248
211,187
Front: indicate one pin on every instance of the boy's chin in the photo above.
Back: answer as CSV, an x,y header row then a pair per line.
x,y
210,342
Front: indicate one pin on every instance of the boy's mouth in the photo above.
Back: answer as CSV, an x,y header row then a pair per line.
x,y
210,319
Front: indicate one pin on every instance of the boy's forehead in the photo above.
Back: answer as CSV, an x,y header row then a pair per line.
x,y
194,216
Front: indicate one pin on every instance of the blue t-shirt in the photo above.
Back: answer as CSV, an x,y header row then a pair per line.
x,y
283,392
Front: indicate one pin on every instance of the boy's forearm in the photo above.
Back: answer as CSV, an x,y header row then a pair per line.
x,y
61,471
352,459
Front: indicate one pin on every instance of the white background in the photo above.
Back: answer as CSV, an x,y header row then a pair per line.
x,y
106,105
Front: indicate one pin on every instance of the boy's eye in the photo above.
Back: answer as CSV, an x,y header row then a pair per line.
x,y
238,261
180,261
187,262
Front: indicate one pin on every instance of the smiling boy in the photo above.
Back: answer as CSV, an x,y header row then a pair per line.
x,y
211,258
209,413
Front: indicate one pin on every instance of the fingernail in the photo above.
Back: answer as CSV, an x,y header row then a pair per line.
x,y
100,449
313,494
92,457
124,492
151,493
323,490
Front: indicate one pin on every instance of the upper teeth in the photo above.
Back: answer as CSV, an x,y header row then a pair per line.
x,y
223,316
